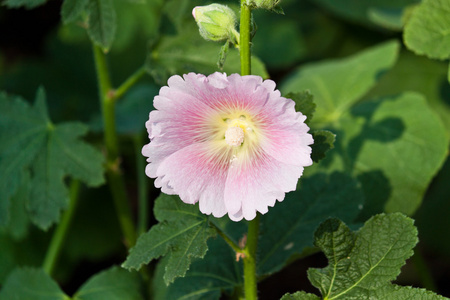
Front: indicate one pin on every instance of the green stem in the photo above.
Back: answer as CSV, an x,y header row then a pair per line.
x,y
115,178
124,87
142,185
229,241
56,244
244,42
250,281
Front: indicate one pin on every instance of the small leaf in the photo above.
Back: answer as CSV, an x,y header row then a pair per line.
x,y
323,141
112,284
304,103
71,10
28,4
29,141
427,31
218,272
181,234
300,296
102,22
367,263
28,283
223,55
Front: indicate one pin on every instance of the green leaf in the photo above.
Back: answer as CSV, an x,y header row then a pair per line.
x,y
323,141
422,75
28,283
287,229
362,11
401,127
71,10
360,266
188,52
300,296
337,85
102,22
304,103
181,234
28,4
427,31
31,142
206,279
395,292
112,284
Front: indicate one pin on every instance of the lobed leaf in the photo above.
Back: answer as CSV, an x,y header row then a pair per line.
x,y
359,267
181,234
427,31
206,279
31,142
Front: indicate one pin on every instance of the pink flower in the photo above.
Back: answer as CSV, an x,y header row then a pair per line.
x,y
233,144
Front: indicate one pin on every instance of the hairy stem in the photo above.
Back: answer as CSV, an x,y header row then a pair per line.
x,y
57,242
114,175
244,42
142,185
250,280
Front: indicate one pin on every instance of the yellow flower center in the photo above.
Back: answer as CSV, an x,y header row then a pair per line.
x,y
234,136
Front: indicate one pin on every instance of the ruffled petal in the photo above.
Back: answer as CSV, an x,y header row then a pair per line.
x,y
254,185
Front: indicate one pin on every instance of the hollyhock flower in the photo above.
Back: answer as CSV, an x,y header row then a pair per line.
x,y
233,144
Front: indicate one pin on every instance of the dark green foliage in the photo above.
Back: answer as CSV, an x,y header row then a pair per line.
x,y
181,234
30,142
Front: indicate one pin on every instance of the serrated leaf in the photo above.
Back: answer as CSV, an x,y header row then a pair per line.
x,y
71,10
28,4
28,283
337,85
287,230
323,141
102,22
395,292
304,103
300,296
30,142
427,31
374,258
112,284
218,272
181,234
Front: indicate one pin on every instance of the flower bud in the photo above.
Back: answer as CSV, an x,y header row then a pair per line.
x,y
215,21
264,4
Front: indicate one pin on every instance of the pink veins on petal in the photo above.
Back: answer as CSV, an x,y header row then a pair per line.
x,y
231,143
